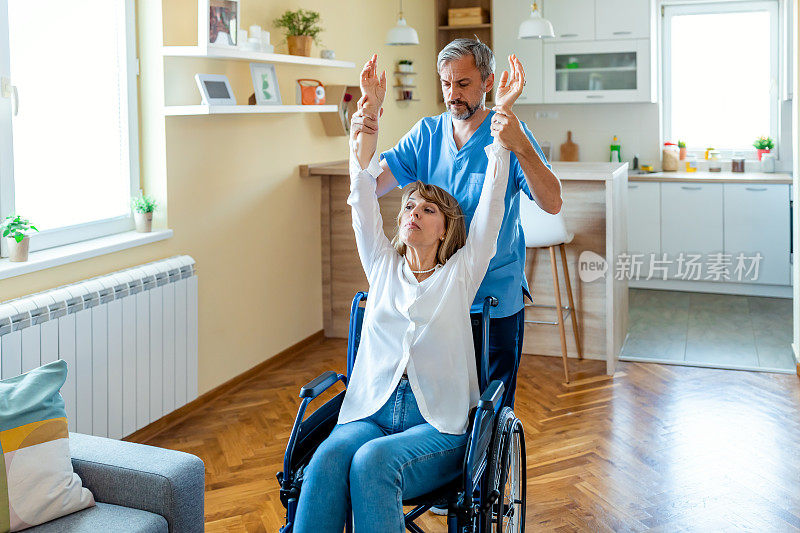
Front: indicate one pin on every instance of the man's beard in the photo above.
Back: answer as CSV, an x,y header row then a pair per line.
x,y
468,109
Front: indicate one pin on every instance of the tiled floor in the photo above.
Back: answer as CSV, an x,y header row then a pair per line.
x,y
703,329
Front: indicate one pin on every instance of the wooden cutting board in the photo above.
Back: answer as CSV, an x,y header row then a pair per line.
x,y
569,150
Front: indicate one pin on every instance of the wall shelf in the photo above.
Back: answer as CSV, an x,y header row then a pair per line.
x,y
247,55
466,27
185,110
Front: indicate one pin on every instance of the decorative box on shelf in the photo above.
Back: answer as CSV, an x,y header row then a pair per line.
x,y
467,16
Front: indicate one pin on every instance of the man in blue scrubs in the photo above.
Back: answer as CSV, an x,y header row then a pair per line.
x,y
448,150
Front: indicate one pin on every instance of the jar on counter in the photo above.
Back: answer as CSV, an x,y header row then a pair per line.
x,y
768,162
691,163
670,157
714,164
737,163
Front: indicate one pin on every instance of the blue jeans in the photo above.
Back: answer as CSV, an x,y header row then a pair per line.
x,y
374,463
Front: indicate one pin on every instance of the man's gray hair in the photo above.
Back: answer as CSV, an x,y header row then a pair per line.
x,y
458,48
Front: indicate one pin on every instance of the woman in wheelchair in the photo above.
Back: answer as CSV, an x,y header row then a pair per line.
x,y
401,430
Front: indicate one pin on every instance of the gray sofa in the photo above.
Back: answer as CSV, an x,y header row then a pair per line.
x,y
137,488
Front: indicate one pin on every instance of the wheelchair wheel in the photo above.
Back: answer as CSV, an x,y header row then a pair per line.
x,y
506,475
513,482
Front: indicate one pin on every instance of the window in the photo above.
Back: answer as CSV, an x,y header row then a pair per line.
x,y
69,157
720,65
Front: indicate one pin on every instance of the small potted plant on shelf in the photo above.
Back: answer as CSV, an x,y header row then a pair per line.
x,y
682,148
302,27
15,228
405,65
763,145
143,207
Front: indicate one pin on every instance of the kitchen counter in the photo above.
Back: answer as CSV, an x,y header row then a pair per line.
x,y
714,177
595,199
589,171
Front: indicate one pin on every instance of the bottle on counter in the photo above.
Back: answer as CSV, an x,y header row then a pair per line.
x,y
635,163
714,164
615,147
670,157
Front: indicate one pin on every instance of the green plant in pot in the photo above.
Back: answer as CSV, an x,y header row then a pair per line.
x,y
16,229
763,145
143,207
682,149
302,27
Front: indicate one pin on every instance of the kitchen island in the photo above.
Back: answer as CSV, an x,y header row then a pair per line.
x,y
595,199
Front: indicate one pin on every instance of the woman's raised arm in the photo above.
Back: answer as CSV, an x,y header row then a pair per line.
x,y
481,242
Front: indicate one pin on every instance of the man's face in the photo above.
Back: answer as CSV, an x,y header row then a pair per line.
x,y
464,92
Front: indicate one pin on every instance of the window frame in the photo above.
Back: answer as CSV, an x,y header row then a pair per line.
x,y
66,235
725,6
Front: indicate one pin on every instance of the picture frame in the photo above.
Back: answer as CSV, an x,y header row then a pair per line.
x,y
222,29
215,89
265,84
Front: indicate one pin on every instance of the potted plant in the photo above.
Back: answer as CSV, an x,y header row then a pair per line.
x,y
15,228
143,207
763,146
405,65
682,148
302,27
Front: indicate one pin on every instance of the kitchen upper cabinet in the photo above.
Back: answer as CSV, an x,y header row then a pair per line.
x,y
598,71
691,222
507,18
757,220
573,20
623,19
644,218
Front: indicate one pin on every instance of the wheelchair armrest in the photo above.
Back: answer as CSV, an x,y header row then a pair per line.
x,y
318,385
491,396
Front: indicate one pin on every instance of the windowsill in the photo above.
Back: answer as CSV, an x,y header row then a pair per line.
x,y
61,255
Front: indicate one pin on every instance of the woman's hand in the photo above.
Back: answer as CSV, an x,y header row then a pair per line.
x,y
372,87
510,87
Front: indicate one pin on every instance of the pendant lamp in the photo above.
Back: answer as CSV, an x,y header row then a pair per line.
x,y
402,33
535,27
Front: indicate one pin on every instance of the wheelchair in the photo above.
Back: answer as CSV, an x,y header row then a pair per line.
x,y
489,495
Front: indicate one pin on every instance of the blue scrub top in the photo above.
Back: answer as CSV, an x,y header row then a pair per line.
x,y
428,153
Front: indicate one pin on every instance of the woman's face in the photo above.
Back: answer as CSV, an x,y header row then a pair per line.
x,y
422,223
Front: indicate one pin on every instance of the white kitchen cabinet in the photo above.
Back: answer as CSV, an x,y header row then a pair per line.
x,y
757,220
598,71
691,222
623,19
644,218
507,18
573,20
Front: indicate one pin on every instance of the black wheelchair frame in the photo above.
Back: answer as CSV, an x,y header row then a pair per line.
x,y
476,501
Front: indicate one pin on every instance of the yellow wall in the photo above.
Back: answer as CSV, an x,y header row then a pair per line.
x,y
231,185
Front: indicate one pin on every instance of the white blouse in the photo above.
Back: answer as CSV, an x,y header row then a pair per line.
x,y
424,327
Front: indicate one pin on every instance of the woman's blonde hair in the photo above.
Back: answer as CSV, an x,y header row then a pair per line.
x,y
455,231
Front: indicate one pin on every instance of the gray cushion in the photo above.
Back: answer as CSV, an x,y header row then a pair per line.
x,y
105,517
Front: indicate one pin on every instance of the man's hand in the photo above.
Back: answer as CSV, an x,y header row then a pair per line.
x,y
507,129
373,88
363,120
510,87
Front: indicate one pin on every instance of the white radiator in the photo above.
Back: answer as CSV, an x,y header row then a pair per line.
x,y
129,339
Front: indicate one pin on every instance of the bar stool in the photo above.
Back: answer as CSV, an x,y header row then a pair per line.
x,y
544,230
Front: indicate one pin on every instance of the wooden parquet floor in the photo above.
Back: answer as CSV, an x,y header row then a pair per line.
x,y
656,448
